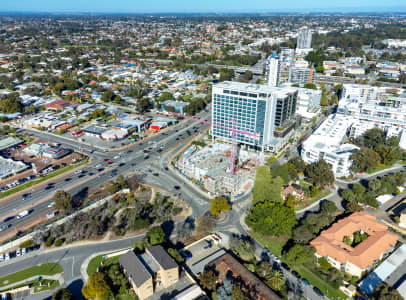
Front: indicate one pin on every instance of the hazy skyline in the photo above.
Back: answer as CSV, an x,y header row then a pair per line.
x,y
162,6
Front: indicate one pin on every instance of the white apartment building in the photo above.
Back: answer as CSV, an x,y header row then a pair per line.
x,y
308,102
273,70
300,75
359,91
389,112
326,143
367,92
304,38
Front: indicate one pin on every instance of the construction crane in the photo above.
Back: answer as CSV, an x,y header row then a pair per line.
x,y
233,131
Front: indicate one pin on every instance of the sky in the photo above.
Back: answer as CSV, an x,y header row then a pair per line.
x,y
188,6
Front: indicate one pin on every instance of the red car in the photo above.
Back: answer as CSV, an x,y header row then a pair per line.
x,y
106,159
109,163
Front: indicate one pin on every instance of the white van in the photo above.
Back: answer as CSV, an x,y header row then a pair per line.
x,y
23,214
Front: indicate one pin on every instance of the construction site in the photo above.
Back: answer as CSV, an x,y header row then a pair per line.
x,y
210,166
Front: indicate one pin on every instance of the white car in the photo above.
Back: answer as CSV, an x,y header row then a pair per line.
x,y
51,204
1,257
18,252
23,251
7,256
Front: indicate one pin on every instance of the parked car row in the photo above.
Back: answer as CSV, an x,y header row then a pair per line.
x,y
16,182
19,252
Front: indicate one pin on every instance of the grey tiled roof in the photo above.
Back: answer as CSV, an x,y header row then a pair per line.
x,y
134,268
162,258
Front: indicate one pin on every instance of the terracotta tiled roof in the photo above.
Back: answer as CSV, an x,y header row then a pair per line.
x,y
330,242
253,286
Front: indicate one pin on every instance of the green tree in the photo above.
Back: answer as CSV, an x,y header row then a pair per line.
x,y
95,287
155,236
62,200
281,171
348,195
208,280
384,291
358,189
374,184
107,96
328,207
364,159
272,219
290,201
324,265
63,294
277,280
262,188
175,255
319,173
242,247
143,105
219,205
299,254
310,86
165,96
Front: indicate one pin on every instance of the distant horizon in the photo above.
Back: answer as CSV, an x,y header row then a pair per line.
x,y
202,7
343,11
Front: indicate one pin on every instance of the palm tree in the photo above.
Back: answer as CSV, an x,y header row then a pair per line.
x,y
276,280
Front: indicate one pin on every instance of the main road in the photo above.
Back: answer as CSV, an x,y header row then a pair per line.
x,y
132,159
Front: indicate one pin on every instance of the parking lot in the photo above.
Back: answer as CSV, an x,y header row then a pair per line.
x,y
201,253
43,165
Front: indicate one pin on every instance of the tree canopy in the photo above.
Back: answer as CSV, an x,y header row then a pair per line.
x,y
272,219
96,286
219,205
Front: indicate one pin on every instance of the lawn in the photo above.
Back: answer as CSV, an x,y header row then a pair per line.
x,y
377,169
44,269
95,262
322,285
309,201
46,285
39,180
274,244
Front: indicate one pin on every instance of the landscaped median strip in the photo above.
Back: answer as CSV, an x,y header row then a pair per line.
x,y
39,180
47,269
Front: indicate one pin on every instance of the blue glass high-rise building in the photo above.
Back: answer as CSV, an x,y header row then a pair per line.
x,y
253,110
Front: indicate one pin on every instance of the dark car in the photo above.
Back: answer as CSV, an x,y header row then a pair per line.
x,y
8,219
176,187
317,291
26,196
305,282
296,274
186,254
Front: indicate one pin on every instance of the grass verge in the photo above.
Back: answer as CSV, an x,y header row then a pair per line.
x,y
41,179
307,202
44,269
322,285
46,285
95,262
273,243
